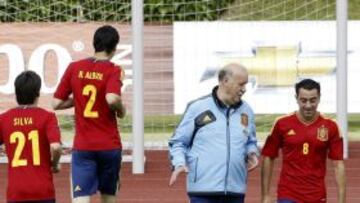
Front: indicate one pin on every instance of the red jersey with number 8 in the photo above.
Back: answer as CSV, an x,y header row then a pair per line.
x,y
95,123
27,133
305,148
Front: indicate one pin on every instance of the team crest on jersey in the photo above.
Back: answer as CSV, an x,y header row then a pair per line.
x,y
244,119
323,134
245,122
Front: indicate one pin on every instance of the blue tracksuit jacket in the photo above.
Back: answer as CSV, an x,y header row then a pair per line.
x,y
213,141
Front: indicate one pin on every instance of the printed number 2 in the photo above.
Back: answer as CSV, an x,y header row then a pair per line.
x,y
306,148
88,112
19,138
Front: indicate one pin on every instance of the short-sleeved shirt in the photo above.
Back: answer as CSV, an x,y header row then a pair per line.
x,y
27,134
305,148
95,123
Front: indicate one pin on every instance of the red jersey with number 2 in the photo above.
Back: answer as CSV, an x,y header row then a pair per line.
x,y
27,134
305,148
95,123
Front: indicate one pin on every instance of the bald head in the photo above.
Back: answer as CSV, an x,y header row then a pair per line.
x,y
232,83
230,70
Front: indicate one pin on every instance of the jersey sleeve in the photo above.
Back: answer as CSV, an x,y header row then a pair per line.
x,y
52,129
335,143
64,88
273,142
114,82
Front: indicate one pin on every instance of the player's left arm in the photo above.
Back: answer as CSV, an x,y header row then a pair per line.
x,y
336,154
53,135
113,92
55,149
339,167
115,103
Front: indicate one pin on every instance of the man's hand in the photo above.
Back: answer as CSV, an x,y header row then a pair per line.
x,y
56,168
176,173
266,199
120,113
252,161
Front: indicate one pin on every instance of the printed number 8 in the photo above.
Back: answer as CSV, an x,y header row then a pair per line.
x,y
306,148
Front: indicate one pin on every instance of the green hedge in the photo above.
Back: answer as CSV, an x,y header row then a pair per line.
x,y
184,10
167,11
109,10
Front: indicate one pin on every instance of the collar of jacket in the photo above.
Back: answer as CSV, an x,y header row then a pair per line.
x,y
221,104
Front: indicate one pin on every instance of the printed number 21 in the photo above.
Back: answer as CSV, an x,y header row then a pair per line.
x,y
306,148
20,139
88,112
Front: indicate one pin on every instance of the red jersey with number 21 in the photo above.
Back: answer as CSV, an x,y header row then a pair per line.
x,y
95,123
305,148
27,134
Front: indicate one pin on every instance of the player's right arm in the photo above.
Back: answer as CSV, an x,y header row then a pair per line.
x,y
61,98
269,152
59,104
266,175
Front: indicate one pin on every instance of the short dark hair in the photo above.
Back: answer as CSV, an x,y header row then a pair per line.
x,y
27,87
105,39
307,84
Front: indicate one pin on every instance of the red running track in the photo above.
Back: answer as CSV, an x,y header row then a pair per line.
x,y
152,187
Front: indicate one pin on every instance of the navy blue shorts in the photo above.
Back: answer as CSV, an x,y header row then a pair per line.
x,y
93,171
217,199
39,201
285,201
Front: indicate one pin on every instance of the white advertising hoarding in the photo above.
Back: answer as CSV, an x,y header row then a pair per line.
x,y
277,55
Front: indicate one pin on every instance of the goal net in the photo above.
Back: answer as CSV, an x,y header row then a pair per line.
x,y
185,43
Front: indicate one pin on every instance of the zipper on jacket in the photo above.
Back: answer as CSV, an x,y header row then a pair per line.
x,y
227,147
196,169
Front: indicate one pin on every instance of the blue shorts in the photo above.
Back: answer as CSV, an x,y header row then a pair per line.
x,y
285,201
95,170
39,201
217,199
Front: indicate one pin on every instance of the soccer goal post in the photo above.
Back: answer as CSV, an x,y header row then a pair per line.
x,y
341,63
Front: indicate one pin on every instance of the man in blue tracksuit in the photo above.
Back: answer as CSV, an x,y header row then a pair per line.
x,y
215,142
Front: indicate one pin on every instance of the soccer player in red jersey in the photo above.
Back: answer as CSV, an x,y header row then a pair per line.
x,y
32,141
95,85
306,139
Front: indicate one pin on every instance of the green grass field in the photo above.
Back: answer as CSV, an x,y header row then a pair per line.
x,y
160,128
